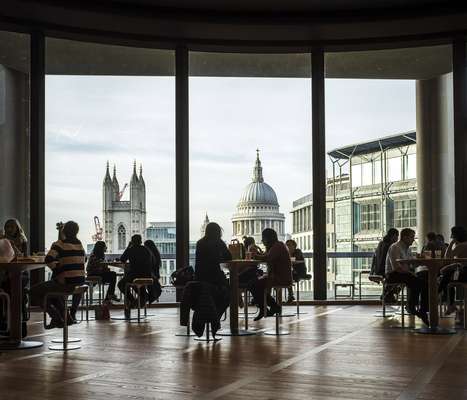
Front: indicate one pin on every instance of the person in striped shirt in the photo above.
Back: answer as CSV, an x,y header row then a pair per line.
x,y
66,259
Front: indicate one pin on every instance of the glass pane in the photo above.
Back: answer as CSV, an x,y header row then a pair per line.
x,y
110,145
370,124
250,146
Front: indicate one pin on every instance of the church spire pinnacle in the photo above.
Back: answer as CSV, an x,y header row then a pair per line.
x,y
134,177
258,170
107,173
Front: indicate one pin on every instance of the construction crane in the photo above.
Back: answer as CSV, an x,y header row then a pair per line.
x,y
120,194
99,232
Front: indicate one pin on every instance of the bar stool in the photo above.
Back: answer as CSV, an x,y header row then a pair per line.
x,y
207,338
5,299
383,313
138,284
64,343
244,292
403,288
278,297
462,285
91,281
297,301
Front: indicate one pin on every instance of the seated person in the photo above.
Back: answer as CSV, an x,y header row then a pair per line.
x,y
432,244
141,266
66,259
298,267
155,290
454,272
249,275
211,251
279,273
14,233
7,254
95,267
397,272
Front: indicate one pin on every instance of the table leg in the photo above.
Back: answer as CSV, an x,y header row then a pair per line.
x,y
234,293
15,341
434,328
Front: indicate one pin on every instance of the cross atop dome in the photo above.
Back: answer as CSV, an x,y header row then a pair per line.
x,y
258,170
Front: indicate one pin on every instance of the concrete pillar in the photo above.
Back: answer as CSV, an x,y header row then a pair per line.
x,y
435,156
14,146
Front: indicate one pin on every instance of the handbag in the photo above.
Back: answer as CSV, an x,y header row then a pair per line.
x,y
182,276
236,249
102,312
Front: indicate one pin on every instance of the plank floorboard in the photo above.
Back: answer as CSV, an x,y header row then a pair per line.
x,y
333,352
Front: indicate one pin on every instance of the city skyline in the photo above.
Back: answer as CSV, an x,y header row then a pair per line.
x,y
90,120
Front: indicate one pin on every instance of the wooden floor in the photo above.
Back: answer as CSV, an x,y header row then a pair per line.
x,y
333,352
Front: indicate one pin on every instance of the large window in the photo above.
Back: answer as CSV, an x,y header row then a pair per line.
x,y
250,145
110,142
371,144
370,217
405,213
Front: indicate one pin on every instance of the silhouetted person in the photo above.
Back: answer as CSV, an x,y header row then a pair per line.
x,y
455,272
210,252
96,267
155,290
66,259
279,273
298,267
378,265
141,266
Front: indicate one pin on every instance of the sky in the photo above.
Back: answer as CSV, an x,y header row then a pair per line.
x,y
92,119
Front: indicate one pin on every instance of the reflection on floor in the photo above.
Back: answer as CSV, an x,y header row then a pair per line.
x,y
333,352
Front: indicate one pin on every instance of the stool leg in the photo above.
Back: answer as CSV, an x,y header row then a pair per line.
x,y
100,293
278,298
383,301
87,305
298,298
65,327
139,303
403,307
245,309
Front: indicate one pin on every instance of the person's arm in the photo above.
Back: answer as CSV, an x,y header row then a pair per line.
x,y
53,256
225,253
448,252
125,256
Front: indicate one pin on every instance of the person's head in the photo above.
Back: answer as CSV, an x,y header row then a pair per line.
x,y
70,230
408,236
431,236
440,238
458,234
269,237
392,235
248,241
99,249
13,228
151,246
213,232
291,245
136,240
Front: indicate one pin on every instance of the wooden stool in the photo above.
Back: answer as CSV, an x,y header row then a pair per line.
x,y
91,281
5,299
403,288
344,285
297,301
64,342
137,284
278,297
383,313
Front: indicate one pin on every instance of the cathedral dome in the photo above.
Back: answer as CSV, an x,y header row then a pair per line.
x,y
258,192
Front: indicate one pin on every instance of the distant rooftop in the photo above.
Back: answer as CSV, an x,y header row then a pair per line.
x,y
385,143
158,224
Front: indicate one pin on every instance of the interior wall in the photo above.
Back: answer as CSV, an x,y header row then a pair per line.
x,y
435,156
14,146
